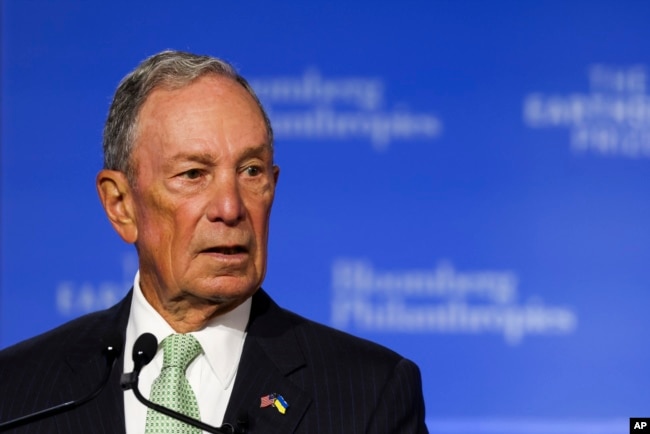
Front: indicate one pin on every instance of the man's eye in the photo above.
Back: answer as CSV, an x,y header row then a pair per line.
x,y
253,171
191,174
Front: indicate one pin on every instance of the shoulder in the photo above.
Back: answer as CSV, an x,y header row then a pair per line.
x,y
366,362
324,347
75,335
338,343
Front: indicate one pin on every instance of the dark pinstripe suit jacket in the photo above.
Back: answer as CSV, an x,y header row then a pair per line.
x,y
333,382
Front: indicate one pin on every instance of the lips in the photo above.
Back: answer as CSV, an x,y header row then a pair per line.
x,y
226,250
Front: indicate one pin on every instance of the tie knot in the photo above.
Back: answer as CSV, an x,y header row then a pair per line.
x,y
180,350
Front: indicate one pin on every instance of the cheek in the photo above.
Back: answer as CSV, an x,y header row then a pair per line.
x,y
260,217
185,227
156,221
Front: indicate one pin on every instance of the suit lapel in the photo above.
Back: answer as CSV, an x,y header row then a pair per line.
x,y
87,368
271,353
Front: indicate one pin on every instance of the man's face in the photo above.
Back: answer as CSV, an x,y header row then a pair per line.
x,y
202,193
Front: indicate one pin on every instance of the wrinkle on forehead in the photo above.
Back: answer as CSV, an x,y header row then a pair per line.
x,y
209,158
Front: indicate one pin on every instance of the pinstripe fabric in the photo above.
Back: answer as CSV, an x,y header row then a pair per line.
x,y
62,365
333,382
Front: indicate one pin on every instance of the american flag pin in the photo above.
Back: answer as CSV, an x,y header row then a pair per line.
x,y
267,400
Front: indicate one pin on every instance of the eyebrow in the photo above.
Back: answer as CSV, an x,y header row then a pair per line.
x,y
202,157
254,151
208,159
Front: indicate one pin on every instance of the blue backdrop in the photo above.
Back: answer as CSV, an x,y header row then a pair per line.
x,y
465,182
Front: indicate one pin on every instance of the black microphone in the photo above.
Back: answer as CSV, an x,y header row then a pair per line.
x,y
144,349
111,343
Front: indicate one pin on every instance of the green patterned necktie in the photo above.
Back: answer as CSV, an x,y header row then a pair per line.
x,y
171,389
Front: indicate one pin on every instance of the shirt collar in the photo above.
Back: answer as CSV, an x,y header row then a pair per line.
x,y
222,339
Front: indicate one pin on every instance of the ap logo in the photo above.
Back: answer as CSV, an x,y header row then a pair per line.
x,y
639,424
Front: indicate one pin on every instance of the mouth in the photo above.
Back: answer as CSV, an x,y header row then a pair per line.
x,y
226,250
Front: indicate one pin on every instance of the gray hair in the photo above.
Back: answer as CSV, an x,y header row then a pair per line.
x,y
168,70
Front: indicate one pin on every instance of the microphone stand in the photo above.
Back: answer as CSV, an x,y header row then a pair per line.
x,y
143,351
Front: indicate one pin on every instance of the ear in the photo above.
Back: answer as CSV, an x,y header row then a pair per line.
x,y
276,173
116,198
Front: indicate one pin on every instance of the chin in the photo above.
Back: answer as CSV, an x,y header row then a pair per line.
x,y
225,292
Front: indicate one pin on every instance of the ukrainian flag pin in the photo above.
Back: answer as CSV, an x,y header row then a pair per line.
x,y
280,404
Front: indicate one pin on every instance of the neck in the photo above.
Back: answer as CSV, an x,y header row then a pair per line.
x,y
186,313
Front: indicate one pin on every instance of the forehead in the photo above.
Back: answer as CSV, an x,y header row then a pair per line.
x,y
220,94
213,116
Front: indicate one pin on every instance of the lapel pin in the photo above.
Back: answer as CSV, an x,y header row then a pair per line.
x,y
275,400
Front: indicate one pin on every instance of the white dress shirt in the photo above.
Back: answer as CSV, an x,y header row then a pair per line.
x,y
211,374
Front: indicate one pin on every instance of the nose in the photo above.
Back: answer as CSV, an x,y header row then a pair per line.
x,y
225,203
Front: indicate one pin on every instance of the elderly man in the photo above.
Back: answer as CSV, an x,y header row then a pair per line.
x,y
189,179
